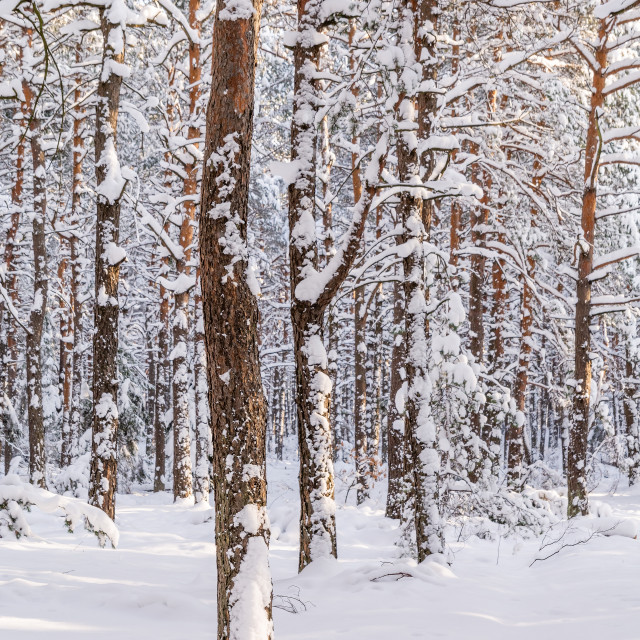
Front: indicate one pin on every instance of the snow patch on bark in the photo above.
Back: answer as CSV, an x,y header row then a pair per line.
x,y
237,10
251,593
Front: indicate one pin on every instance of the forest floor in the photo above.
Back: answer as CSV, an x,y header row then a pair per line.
x,y
160,582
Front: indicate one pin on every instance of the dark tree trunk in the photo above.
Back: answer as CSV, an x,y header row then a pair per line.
x,y
278,408
630,405
281,426
182,476
108,257
376,439
10,359
71,335
395,419
421,436
478,218
313,385
328,159
162,388
65,371
309,304
476,285
361,430
151,377
77,269
37,459
238,410
360,399
515,433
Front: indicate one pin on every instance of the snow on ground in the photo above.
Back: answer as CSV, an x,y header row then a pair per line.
x,y
160,582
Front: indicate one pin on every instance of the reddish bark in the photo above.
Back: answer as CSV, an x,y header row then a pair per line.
x,y
182,475
578,502
237,404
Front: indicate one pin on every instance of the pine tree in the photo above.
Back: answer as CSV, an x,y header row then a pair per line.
x,y
238,410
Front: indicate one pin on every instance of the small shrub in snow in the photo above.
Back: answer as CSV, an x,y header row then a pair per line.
x,y
16,497
74,479
12,520
491,514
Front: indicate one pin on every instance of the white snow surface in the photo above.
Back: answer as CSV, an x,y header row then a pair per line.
x,y
160,582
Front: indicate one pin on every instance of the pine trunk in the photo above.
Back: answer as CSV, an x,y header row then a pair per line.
x,y
37,458
238,410
515,433
478,218
65,372
151,378
377,441
71,314
10,361
182,476
108,257
313,385
395,417
360,399
578,501
630,405
162,388
77,268
415,215
202,481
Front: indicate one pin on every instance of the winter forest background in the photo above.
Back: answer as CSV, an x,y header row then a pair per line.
x,y
360,275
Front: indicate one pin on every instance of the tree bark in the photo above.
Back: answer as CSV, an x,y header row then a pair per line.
x,y
376,348
164,335
360,399
162,390
278,407
10,362
360,333
65,371
395,418
182,476
630,406
310,298
238,411
108,257
578,501
478,219
328,159
421,433
71,316
515,433
77,268
202,481
313,385
152,369
37,457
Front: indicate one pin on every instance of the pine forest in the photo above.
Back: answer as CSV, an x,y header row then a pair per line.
x,y
319,319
